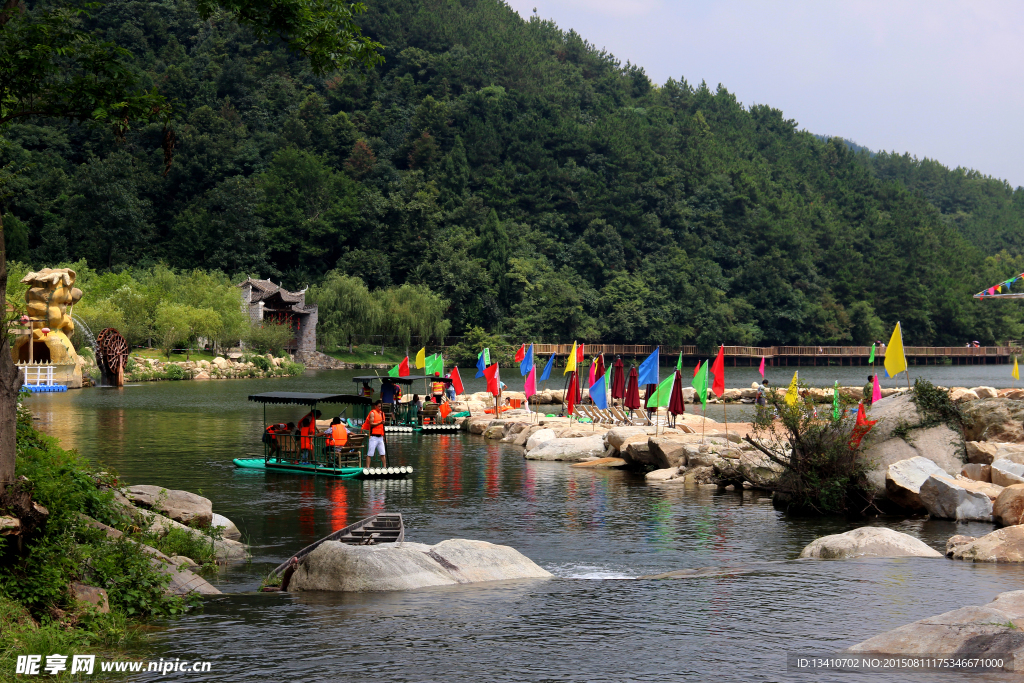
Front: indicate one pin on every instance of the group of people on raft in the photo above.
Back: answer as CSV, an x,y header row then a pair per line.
x,y
280,436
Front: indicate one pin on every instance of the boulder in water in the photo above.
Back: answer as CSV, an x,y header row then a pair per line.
x,y
539,437
573,449
229,530
1002,545
868,541
181,506
903,481
945,498
335,566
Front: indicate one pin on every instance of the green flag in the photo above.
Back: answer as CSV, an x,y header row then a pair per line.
x,y
835,402
435,364
700,385
871,358
393,372
659,399
679,363
487,356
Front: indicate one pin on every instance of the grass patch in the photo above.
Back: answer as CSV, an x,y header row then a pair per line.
x,y
365,354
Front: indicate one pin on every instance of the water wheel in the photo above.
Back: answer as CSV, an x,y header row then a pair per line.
x,y
111,356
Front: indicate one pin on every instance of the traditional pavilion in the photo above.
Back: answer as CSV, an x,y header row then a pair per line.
x,y
263,300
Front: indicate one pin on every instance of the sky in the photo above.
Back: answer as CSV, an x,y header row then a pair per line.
x,y
937,79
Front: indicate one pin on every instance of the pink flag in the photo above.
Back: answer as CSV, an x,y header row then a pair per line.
x,y
762,367
531,383
593,366
876,391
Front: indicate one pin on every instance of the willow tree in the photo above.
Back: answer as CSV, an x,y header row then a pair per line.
x,y
53,66
412,310
345,308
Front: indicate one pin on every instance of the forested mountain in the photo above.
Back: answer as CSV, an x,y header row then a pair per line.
x,y
543,188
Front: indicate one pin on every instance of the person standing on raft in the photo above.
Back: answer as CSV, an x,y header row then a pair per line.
x,y
375,425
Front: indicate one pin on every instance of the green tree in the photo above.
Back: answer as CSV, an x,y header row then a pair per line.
x,y
411,310
345,308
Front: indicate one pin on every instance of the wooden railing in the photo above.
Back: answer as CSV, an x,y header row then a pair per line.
x,y
775,351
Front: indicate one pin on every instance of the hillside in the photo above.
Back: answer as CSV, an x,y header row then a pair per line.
x,y
543,188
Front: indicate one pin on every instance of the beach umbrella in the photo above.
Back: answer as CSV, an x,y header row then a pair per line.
x,y
579,387
600,366
570,395
618,380
631,398
676,404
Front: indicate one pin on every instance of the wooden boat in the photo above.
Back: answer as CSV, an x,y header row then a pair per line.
x,y
384,527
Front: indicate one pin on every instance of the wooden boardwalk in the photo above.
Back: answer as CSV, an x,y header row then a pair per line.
x,y
801,355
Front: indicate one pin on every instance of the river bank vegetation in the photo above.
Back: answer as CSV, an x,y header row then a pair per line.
x,y
531,181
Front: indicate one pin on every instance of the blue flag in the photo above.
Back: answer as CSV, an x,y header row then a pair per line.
x,y
527,364
481,364
597,393
547,369
648,372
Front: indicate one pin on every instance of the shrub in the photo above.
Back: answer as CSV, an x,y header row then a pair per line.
x,y
175,372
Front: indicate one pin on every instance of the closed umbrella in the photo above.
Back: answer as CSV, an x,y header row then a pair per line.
x,y
619,380
570,395
631,398
600,366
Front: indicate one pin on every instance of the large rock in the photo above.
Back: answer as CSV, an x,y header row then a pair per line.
x,y
181,506
977,471
1008,508
868,541
1002,545
538,437
985,392
673,474
668,451
903,481
494,432
335,566
91,596
990,629
981,452
995,419
945,498
227,550
961,394
618,436
881,448
573,450
228,528
1007,473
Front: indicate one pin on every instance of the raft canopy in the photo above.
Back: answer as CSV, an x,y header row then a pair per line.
x,y
299,398
408,379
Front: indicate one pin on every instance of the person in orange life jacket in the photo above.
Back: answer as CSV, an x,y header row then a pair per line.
x,y
270,437
307,429
337,435
375,425
437,388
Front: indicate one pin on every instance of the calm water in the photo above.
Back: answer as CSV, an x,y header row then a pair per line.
x,y
595,530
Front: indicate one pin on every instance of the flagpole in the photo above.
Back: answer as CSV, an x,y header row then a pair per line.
x,y
903,348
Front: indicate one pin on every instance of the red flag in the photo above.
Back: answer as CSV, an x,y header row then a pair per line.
x,y
521,354
403,367
579,354
570,396
445,410
718,369
861,428
696,369
493,379
457,381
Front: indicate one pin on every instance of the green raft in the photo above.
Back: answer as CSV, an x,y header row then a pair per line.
x,y
261,464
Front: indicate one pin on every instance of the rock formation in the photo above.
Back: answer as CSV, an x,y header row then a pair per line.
x,y
868,541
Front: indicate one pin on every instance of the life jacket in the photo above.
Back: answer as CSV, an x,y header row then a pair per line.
x,y
338,435
307,428
375,416
367,390
271,432
438,388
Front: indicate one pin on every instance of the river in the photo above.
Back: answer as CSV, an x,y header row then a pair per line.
x,y
596,530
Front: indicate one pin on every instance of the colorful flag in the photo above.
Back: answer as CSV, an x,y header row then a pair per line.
x,y
421,358
546,375
1016,371
457,381
835,402
648,371
679,363
570,365
445,410
876,390
434,364
762,367
570,396
481,363
861,428
696,369
597,393
521,353
400,370
590,375
718,372
530,388
700,384
793,392
493,379
579,353
871,358
895,360
659,399
527,362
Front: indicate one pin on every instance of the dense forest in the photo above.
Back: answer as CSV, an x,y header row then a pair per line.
x,y
540,187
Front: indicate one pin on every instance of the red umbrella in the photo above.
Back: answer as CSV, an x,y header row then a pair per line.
x,y
599,372
618,380
676,404
570,395
631,398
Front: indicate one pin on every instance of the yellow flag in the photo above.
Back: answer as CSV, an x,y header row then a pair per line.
x,y
421,358
895,359
1016,370
793,393
571,365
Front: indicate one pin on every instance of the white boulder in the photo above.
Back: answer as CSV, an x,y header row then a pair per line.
x,y
945,498
868,541
1007,473
538,437
903,481
572,449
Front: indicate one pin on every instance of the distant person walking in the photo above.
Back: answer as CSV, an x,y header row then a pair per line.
x,y
762,394
869,390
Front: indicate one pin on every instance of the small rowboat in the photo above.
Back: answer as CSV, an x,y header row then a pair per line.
x,y
384,527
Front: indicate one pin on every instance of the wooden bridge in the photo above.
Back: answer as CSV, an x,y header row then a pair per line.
x,y
801,355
